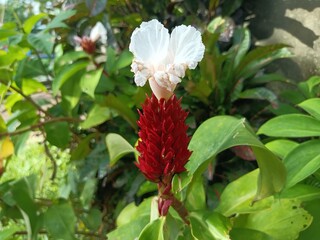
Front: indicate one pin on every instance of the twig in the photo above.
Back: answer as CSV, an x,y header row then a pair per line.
x,y
98,65
38,125
49,155
29,99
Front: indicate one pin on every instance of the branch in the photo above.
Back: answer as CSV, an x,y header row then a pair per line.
x,y
29,99
49,155
38,125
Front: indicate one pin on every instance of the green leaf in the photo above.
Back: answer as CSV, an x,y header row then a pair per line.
x,y
196,196
259,57
281,147
95,7
199,227
302,161
242,44
43,42
283,221
222,132
69,58
57,22
96,116
93,219
124,60
301,192
6,33
130,230
117,147
8,232
71,92
57,134
313,230
30,86
66,73
154,230
219,226
87,193
291,125
311,106
60,221
115,102
308,87
132,212
90,80
238,196
29,24
260,94
248,234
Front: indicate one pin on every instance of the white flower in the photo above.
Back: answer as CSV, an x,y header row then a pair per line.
x,y
99,32
162,58
88,43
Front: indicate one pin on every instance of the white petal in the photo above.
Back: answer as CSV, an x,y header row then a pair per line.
x,y
149,43
99,31
174,79
186,46
140,79
159,92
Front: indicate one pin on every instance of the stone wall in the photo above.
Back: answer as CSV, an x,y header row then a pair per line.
x,y
294,22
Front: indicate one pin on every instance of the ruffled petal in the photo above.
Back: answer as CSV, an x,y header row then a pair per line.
x,y
99,32
149,43
185,47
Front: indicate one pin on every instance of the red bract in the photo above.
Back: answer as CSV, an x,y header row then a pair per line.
x,y
163,144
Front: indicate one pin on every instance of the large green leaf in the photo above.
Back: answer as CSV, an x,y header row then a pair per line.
x,y
43,42
8,232
66,73
196,196
154,230
239,194
301,192
219,226
281,147
312,106
60,221
222,132
283,221
29,24
117,147
90,80
302,161
309,87
260,93
291,125
313,230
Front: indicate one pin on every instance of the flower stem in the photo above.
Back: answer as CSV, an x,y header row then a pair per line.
x,y
181,209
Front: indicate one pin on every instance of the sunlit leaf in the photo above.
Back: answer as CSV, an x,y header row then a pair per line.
x,y
222,132
302,161
311,106
97,115
281,147
291,125
154,230
29,24
90,80
117,147
283,221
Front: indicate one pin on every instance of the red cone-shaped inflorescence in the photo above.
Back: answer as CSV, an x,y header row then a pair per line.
x,y
163,139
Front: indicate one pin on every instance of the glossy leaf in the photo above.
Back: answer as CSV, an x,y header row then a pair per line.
x,y
313,230
89,81
97,115
291,125
238,196
302,161
154,230
30,86
311,106
260,94
301,192
199,227
60,221
196,196
222,132
117,147
281,147
29,24
69,57
43,42
283,221
66,73
71,92
219,226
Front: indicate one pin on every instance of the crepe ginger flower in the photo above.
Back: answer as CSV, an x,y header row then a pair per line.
x,y
161,58
163,146
88,43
